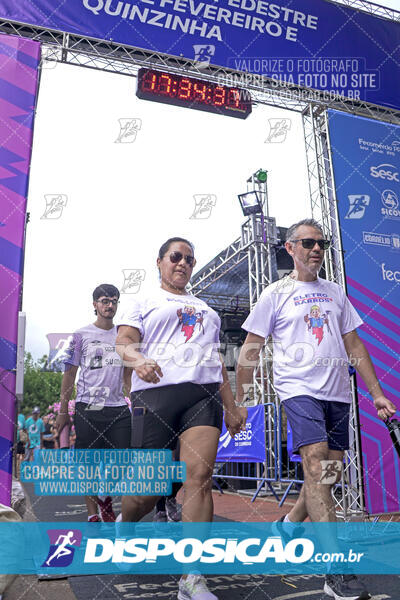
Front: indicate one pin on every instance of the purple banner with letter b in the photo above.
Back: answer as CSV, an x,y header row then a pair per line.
x,y
19,60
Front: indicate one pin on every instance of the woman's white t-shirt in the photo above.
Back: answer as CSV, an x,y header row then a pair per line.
x,y
181,333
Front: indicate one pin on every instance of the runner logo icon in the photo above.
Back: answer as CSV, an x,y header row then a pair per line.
x,y
202,54
358,204
62,547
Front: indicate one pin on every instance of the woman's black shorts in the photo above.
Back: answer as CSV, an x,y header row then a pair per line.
x,y
161,415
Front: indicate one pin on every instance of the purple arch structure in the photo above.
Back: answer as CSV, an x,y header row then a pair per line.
x,y
19,61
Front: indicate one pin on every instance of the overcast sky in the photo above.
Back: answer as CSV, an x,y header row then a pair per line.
x,y
120,201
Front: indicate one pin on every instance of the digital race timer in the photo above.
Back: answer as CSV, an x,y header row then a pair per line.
x,y
193,93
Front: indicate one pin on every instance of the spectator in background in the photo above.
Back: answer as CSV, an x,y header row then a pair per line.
x,y
35,429
22,438
50,436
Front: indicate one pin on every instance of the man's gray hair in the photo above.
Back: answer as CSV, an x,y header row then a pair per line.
x,y
291,232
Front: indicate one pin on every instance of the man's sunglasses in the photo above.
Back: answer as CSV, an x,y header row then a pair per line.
x,y
176,257
107,301
310,243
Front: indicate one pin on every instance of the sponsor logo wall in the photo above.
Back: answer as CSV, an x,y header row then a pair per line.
x,y
366,161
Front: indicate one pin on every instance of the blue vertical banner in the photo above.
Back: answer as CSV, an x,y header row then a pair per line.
x,y
366,163
248,445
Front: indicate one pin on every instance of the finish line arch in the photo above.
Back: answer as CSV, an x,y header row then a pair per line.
x,y
65,43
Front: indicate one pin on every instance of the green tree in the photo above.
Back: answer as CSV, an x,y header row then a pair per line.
x,y
41,387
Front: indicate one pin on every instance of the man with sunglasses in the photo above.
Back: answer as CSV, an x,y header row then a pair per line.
x,y
313,327
102,417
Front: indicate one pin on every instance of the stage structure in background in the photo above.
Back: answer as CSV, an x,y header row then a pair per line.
x,y
79,34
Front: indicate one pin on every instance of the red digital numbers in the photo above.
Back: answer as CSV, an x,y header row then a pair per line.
x,y
219,96
185,87
149,81
164,85
234,97
194,93
200,91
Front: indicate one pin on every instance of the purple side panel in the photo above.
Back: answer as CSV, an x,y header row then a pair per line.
x,y
19,61
382,475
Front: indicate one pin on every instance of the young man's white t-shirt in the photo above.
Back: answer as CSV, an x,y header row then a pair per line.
x,y
181,333
100,376
306,320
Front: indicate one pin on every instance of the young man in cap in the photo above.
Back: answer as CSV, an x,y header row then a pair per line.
x,y
102,417
313,327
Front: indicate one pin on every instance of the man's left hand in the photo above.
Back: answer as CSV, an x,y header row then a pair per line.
x,y
235,419
384,407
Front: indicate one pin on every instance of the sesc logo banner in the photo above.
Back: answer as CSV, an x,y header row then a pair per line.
x,y
248,445
386,172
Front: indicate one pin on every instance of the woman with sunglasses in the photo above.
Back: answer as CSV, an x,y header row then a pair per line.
x,y
179,388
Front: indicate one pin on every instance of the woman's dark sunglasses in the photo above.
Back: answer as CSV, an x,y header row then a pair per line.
x,y
176,257
310,243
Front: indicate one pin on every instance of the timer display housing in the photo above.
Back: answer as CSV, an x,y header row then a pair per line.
x,y
179,90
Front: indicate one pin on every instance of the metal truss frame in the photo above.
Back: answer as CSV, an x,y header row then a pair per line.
x,y
372,8
226,261
349,496
110,56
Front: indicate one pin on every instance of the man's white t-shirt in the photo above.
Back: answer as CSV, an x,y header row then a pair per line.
x,y
181,333
306,320
100,376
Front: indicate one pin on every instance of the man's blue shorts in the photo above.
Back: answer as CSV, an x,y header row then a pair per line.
x,y
315,421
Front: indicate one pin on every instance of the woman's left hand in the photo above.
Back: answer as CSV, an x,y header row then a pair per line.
x,y
235,419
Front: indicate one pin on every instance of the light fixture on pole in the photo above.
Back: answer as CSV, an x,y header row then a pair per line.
x,y
250,203
261,176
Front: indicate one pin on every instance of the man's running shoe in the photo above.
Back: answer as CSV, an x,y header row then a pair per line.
x,y
287,531
194,587
106,510
173,509
94,519
345,587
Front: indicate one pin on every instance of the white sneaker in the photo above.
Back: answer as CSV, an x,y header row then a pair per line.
x,y
194,587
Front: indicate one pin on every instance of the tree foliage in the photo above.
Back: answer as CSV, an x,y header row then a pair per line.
x,y
41,388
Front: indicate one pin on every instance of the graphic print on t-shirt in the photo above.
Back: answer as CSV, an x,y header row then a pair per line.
x,y
316,321
188,318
